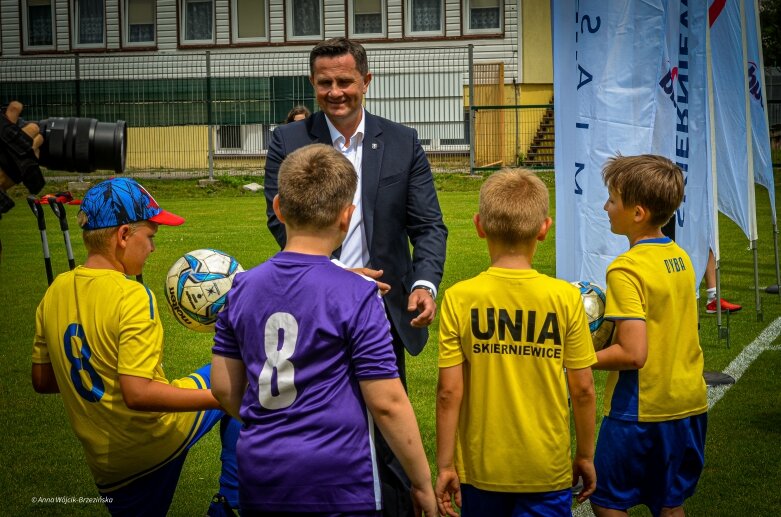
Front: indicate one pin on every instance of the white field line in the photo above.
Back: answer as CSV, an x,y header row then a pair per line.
x,y
740,364
736,369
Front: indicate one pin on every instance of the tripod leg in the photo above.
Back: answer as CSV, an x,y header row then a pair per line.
x,y
59,210
35,206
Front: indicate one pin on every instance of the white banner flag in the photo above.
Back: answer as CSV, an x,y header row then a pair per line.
x,y
730,115
629,78
763,161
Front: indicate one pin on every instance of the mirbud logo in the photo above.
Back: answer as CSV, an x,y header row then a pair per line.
x,y
754,84
668,84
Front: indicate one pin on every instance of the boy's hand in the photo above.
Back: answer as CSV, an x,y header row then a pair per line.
x,y
424,501
584,467
421,300
447,488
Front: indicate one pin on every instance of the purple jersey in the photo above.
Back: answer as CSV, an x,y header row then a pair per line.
x,y
307,332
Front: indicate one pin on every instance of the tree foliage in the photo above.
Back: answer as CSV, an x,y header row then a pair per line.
x,y
770,22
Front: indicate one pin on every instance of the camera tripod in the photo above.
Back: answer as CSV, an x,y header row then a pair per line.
x,y
57,203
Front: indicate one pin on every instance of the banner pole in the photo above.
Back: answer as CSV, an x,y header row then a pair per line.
x,y
722,332
761,67
752,202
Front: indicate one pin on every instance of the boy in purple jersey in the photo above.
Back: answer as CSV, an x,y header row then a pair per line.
x,y
303,357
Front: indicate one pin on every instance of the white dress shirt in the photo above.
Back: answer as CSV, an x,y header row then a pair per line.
x,y
355,249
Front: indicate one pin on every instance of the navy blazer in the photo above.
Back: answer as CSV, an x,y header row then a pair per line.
x,y
399,206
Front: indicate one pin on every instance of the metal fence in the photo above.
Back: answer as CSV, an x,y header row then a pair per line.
x,y
200,113
206,113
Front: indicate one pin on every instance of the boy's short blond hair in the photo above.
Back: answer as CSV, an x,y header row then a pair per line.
x,y
649,180
513,206
97,241
316,183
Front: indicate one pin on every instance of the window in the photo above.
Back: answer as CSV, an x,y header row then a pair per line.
x,y
229,137
249,20
368,18
303,19
483,16
245,140
424,17
139,22
89,29
197,21
38,24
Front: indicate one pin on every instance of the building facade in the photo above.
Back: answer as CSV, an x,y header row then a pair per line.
x,y
103,56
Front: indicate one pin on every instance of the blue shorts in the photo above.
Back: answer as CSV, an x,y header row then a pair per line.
x,y
657,464
152,493
478,503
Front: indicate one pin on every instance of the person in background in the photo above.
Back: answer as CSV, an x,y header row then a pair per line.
x,y
297,113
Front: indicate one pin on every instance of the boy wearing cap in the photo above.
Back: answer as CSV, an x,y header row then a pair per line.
x,y
99,343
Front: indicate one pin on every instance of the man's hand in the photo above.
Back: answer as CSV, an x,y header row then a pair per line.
x,y
12,113
421,300
374,274
15,144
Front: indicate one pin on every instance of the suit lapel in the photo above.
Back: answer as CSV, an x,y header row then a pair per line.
x,y
373,148
318,131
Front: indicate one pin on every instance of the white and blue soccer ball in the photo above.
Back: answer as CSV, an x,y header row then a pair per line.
x,y
594,303
197,285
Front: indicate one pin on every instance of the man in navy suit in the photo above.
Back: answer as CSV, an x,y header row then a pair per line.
x,y
396,203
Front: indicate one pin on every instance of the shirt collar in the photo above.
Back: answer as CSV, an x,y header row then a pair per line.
x,y
337,137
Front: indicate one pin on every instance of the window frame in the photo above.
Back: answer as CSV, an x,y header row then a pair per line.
x,y
468,15
289,24
234,6
26,47
75,31
423,34
259,134
183,41
126,43
367,35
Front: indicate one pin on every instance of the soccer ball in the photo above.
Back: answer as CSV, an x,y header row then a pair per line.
x,y
196,287
594,302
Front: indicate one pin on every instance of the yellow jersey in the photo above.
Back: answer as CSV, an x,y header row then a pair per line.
x,y
93,325
654,281
514,331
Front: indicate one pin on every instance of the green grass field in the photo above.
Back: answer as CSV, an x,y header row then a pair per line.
x,y
43,459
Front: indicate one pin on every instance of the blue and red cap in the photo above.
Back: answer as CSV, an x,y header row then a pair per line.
x,y
119,201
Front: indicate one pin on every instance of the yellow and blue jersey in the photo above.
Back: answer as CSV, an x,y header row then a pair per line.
x,y
654,281
93,325
514,331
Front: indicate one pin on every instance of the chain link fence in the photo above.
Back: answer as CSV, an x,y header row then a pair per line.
x,y
205,113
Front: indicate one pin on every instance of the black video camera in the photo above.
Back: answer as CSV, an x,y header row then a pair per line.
x,y
83,144
69,144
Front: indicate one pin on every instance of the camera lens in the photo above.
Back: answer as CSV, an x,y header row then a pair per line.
x,y
83,144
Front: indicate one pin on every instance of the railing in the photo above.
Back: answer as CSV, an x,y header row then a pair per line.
x,y
521,135
206,113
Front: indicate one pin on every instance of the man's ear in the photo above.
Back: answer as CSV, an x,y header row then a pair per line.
x,y
366,80
275,204
478,226
546,225
344,218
